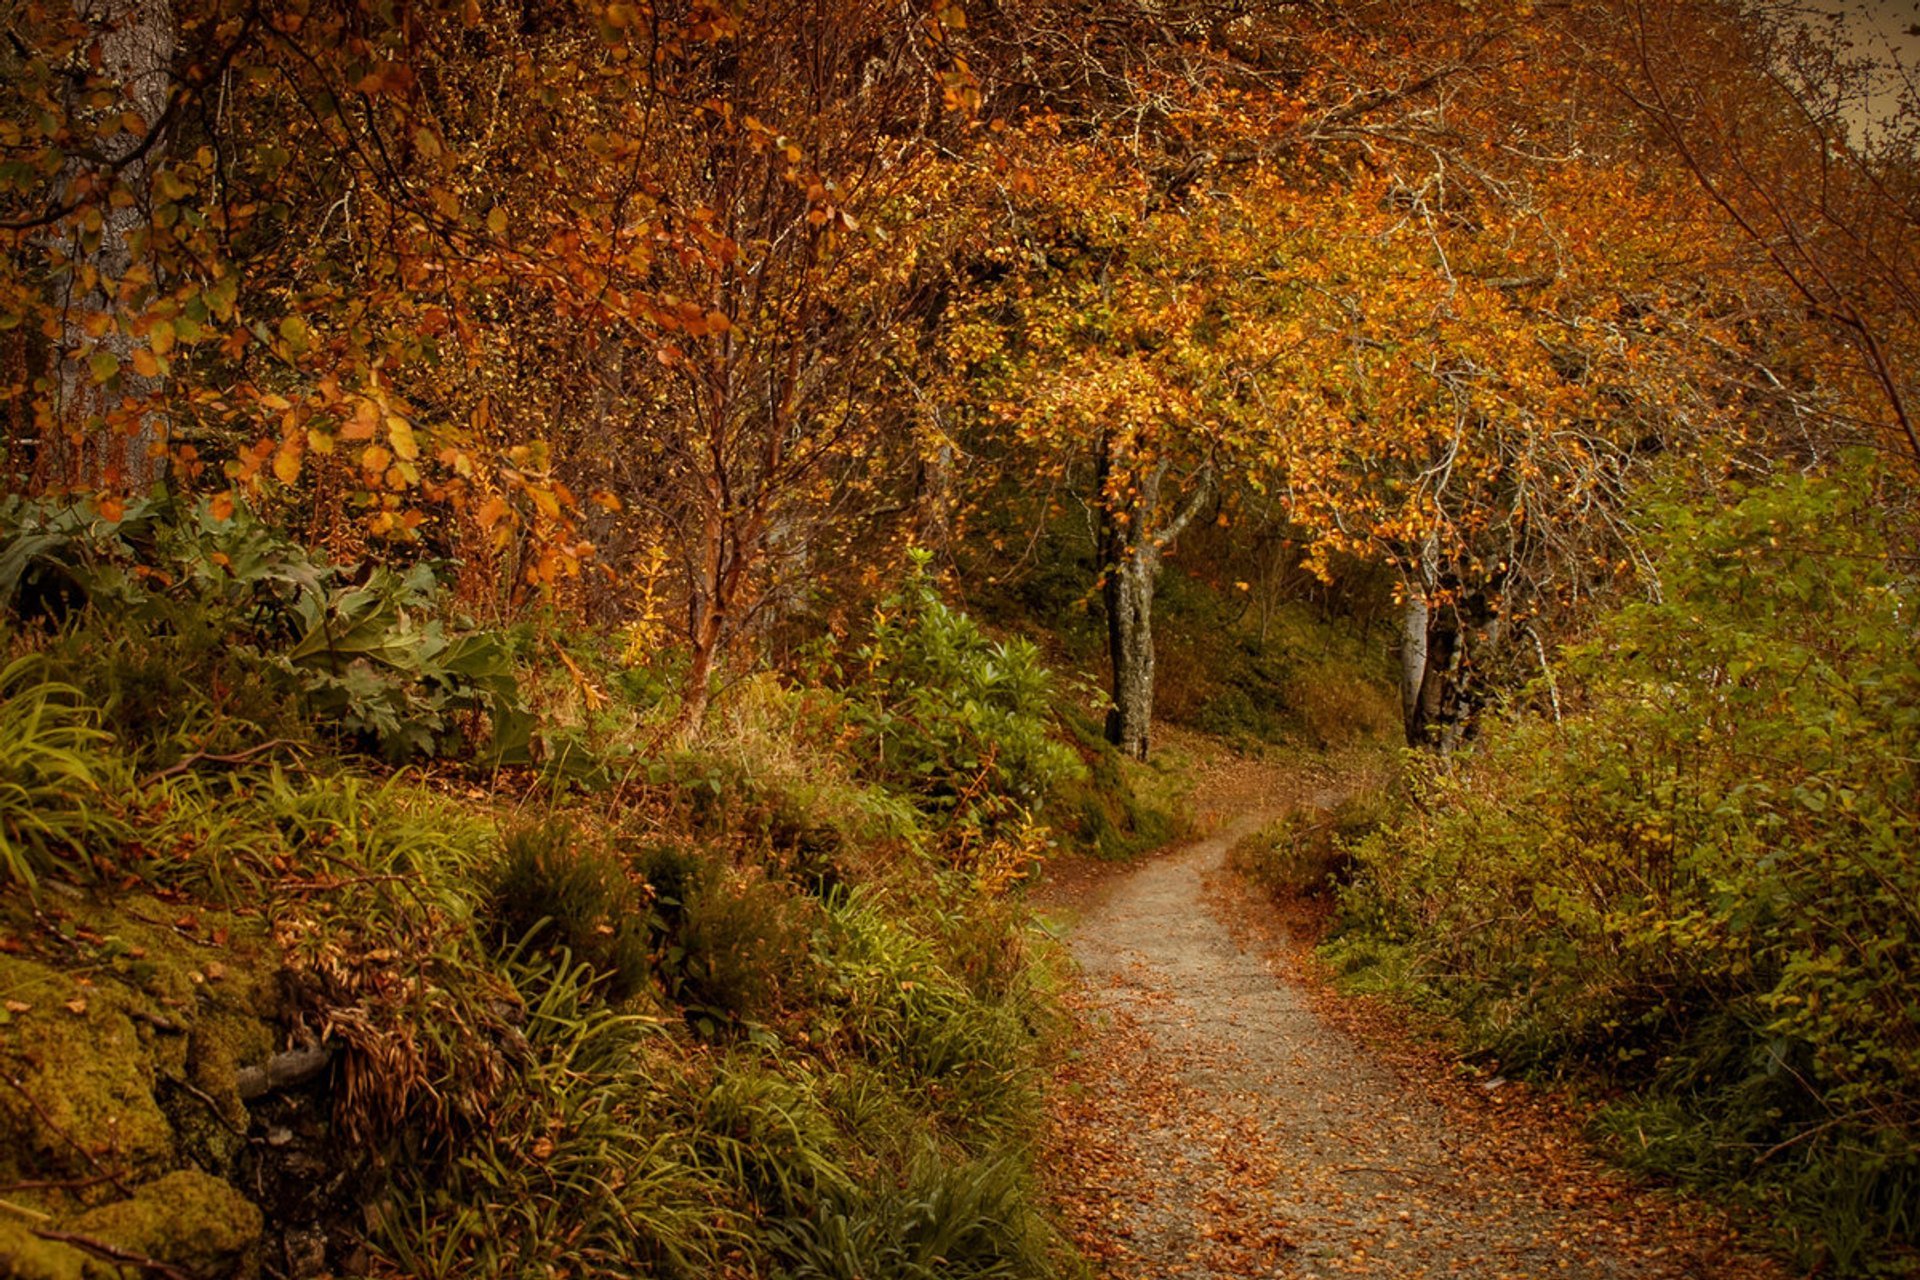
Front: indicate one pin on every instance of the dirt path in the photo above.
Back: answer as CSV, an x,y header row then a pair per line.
x,y
1219,1121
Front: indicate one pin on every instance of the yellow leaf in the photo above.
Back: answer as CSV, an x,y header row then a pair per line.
x,y
400,434
497,221
286,460
160,337
375,459
221,508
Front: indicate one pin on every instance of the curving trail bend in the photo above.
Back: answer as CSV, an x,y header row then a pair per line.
x,y
1220,1120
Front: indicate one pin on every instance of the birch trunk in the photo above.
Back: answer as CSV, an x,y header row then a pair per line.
x,y
114,435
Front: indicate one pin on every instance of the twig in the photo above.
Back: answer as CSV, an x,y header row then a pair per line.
x,y
25,1212
57,1184
157,1022
192,758
212,1107
71,1141
114,1253
178,930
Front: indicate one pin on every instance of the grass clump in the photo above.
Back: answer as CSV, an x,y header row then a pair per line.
x,y
59,776
552,889
948,1220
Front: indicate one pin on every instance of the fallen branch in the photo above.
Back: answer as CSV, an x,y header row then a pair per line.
x,y
282,1071
192,758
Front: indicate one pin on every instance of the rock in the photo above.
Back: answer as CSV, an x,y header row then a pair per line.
x,y
78,1074
189,1219
25,1256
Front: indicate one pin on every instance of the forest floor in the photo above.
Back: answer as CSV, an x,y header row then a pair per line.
x,y
1227,1113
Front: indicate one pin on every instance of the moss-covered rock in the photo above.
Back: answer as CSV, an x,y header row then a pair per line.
x,y
187,1218
25,1256
124,1024
79,1073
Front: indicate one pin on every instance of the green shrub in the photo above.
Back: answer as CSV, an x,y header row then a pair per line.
x,y
1703,883
366,650
958,721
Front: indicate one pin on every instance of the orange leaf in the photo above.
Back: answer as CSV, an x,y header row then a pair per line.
x,y
366,419
490,513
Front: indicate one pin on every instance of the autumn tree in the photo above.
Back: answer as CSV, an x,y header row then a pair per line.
x,y
783,154
334,223
1407,270
1803,149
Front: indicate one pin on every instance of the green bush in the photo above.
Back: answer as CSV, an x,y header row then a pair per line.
x,y
953,718
1704,881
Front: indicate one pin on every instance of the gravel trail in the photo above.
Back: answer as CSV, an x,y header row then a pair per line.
x,y
1219,1121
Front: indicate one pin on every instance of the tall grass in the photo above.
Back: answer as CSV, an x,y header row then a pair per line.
x,y
60,778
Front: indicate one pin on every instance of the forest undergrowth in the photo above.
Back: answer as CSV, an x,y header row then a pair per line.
x,y
485,978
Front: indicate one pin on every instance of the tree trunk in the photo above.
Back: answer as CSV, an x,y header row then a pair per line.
x,y
115,434
1419,686
708,601
1129,596
1130,552
1415,617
